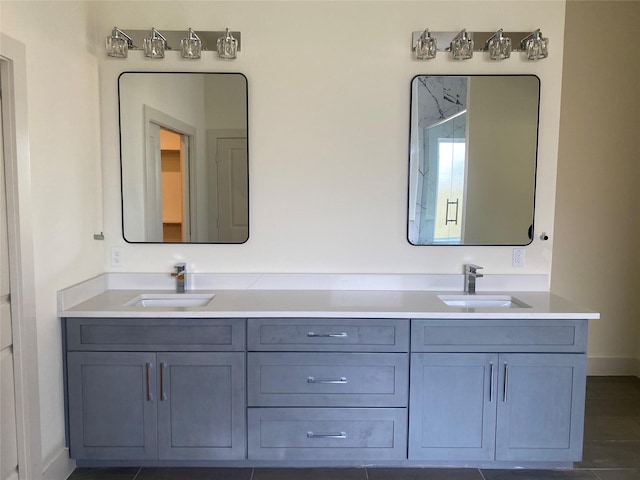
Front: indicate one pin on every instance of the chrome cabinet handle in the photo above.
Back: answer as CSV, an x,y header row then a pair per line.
x,y
326,435
328,335
506,382
163,396
148,366
491,373
340,380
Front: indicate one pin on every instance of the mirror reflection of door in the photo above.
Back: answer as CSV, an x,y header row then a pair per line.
x,y
167,176
228,158
174,172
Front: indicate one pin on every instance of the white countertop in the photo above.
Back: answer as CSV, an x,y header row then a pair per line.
x,y
324,303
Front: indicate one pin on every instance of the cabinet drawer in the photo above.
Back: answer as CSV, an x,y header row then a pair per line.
x,y
328,379
338,334
327,433
498,335
184,334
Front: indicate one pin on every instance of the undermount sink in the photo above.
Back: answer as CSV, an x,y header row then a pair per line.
x,y
482,301
171,300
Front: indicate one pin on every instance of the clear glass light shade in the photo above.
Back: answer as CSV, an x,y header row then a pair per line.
x,y
191,47
118,43
155,45
499,48
117,47
537,48
426,46
462,47
227,46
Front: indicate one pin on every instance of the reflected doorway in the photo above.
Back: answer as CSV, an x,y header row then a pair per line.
x,y
169,187
174,172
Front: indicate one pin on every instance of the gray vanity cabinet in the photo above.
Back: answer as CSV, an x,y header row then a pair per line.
x,y
156,404
314,394
500,405
112,409
452,406
201,406
541,407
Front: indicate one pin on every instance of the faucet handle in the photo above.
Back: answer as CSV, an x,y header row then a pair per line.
x,y
472,267
181,269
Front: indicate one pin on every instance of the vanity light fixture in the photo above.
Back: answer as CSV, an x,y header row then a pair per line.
x,y
426,46
154,45
462,44
118,44
191,46
498,46
227,46
535,45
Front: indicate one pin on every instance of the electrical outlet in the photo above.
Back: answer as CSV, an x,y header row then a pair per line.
x,y
117,259
517,260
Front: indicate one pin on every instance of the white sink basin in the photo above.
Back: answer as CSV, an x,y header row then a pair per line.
x,y
482,301
171,300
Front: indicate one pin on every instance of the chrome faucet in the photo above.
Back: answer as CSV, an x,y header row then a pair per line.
x,y
181,277
470,275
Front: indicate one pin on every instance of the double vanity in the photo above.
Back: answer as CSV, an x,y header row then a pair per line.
x,y
251,376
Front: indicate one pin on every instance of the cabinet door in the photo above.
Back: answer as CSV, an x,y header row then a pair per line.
x,y
541,407
201,406
452,406
112,405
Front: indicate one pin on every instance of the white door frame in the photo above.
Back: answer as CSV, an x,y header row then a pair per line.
x,y
23,309
153,198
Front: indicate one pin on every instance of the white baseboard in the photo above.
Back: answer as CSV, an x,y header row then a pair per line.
x,y
60,468
613,366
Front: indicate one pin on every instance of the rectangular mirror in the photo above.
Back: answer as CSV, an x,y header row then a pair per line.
x,y
184,157
472,161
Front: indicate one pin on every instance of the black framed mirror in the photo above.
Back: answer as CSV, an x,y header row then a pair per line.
x,y
472,160
184,157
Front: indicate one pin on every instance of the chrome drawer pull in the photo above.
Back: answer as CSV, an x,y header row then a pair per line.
x,y
506,381
327,435
163,396
340,380
491,382
327,335
148,366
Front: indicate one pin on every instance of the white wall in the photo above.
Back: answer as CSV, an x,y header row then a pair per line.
x,y
63,112
329,86
596,259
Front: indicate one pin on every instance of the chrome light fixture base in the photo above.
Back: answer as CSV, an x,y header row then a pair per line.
x,y
498,44
173,41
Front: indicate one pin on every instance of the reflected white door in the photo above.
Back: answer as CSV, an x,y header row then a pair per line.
x,y
233,201
8,432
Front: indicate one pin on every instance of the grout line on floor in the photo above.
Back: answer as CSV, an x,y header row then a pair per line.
x,y
366,473
252,472
137,473
482,474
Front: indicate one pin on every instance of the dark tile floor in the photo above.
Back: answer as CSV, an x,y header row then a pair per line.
x,y
611,452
